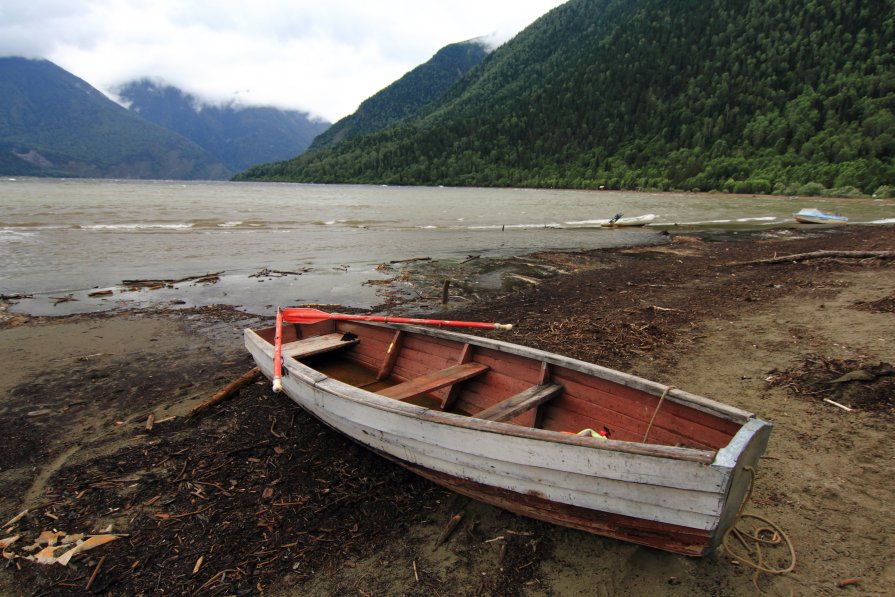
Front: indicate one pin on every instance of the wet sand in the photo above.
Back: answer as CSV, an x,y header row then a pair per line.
x,y
254,496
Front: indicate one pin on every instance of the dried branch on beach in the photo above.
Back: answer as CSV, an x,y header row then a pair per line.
x,y
228,390
798,257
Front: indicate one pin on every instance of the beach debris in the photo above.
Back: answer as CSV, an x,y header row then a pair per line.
x,y
856,384
168,283
16,518
867,374
228,390
883,305
7,541
842,406
848,582
57,547
63,299
87,357
96,570
449,528
85,545
798,257
98,293
524,279
150,421
266,272
411,260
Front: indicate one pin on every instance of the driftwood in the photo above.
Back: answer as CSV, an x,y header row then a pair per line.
x,y
62,299
411,260
228,390
152,284
276,273
822,255
449,528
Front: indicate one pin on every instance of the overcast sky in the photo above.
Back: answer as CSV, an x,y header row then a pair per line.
x,y
323,56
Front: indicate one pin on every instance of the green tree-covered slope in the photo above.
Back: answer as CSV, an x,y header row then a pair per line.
x,y
749,96
409,95
53,123
238,136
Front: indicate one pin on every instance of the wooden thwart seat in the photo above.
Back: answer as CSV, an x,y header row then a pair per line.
x,y
316,345
433,381
521,402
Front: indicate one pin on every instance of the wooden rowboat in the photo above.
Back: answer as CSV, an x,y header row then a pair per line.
x,y
512,426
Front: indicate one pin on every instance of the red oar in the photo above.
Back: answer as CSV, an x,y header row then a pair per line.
x,y
304,315
277,353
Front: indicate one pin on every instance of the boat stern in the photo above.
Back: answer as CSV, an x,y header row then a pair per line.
x,y
740,457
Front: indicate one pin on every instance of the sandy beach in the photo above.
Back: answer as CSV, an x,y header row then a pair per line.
x,y
252,496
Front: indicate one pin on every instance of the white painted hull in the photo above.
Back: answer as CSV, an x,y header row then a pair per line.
x,y
597,486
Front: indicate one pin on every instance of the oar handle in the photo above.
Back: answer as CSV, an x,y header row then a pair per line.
x,y
277,353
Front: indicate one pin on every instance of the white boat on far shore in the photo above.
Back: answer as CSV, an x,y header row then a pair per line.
x,y
619,222
810,215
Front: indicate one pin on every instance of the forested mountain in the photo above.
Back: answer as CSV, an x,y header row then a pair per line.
x,y
55,124
238,136
409,95
748,96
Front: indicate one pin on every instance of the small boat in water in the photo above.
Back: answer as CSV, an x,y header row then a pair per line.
x,y
619,222
810,215
515,427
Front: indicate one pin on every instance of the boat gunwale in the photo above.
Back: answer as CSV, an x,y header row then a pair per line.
x,y
656,389
313,377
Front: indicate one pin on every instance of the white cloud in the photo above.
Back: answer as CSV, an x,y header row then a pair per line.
x,y
322,57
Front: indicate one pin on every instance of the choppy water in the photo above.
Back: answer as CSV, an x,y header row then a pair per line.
x,y
60,237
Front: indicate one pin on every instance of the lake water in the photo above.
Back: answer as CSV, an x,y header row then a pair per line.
x,y
71,237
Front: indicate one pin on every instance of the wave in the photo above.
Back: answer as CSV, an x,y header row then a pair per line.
x,y
758,219
12,236
540,225
588,222
205,224
135,226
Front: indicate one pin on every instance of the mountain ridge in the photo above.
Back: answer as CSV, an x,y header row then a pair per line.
x,y
238,136
53,123
755,97
409,95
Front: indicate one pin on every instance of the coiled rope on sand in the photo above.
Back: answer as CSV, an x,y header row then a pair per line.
x,y
767,534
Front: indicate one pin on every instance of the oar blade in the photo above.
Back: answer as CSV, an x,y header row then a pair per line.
x,y
304,315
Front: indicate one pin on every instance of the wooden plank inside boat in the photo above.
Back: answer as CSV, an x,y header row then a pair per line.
x,y
317,345
433,381
521,402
